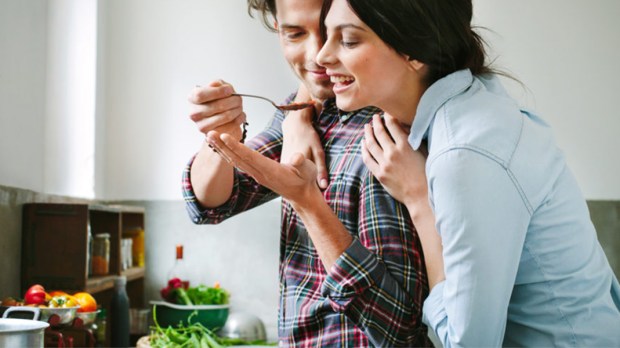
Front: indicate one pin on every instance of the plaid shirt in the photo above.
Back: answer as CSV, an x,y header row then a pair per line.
x,y
373,295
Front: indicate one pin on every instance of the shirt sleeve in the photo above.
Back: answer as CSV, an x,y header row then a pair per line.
x,y
378,282
246,193
482,219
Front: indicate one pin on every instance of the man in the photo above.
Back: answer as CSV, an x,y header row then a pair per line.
x,y
356,286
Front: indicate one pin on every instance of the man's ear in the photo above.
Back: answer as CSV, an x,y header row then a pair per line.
x,y
275,24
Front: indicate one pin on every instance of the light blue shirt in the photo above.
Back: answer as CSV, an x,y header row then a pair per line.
x,y
522,261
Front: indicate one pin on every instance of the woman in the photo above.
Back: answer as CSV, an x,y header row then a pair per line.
x,y
521,261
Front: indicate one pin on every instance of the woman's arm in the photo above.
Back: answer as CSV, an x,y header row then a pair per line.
x,y
481,220
401,170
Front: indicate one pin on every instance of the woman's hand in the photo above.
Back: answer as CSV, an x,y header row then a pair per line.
x,y
294,181
399,168
301,137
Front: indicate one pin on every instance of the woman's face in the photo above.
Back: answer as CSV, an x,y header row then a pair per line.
x,y
365,71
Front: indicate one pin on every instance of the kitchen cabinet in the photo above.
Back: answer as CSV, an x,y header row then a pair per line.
x,y
55,246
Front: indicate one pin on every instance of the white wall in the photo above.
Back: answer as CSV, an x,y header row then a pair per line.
x,y
155,53
567,53
23,41
70,101
152,52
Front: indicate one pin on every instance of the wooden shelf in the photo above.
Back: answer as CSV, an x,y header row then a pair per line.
x,y
55,244
133,273
99,284
55,247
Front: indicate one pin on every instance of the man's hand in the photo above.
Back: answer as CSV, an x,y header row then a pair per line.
x,y
294,181
214,108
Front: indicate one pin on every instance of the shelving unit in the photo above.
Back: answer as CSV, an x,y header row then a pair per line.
x,y
55,245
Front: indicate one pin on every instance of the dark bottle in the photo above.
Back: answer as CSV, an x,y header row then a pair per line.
x,y
101,322
119,316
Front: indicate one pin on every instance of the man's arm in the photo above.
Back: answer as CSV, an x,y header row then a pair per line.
x,y
207,175
213,108
379,281
376,280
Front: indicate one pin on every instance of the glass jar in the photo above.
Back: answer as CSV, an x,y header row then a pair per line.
x,y
101,254
137,251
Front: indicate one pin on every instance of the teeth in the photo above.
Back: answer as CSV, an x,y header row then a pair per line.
x,y
341,79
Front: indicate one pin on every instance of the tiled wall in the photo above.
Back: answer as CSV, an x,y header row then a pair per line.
x,y
606,218
241,253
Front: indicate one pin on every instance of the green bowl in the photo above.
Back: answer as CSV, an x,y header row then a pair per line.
x,y
213,317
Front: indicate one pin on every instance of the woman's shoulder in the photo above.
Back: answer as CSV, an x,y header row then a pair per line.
x,y
482,118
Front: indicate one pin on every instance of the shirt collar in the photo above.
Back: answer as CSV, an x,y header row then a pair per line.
x,y
433,98
330,109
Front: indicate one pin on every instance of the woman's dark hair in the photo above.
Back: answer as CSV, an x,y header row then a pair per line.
x,y
435,32
266,9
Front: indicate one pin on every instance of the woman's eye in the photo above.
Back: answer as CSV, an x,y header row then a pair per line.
x,y
348,44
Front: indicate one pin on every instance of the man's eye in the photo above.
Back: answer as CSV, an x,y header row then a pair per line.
x,y
294,35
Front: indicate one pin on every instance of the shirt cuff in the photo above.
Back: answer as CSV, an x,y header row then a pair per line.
x,y
433,310
356,270
200,214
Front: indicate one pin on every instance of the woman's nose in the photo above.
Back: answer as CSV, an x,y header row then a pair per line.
x,y
325,56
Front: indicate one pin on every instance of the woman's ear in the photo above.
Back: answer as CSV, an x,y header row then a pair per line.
x,y
416,65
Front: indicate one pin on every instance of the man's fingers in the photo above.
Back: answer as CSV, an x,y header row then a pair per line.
x,y
303,167
206,124
215,90
297,159
246,159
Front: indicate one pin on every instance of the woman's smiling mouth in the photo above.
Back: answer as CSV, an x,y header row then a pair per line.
x,y
341,82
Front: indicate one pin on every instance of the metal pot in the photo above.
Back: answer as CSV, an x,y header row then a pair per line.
x,y
21,332
245,326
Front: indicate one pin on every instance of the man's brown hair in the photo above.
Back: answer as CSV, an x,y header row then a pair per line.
x,y
266,9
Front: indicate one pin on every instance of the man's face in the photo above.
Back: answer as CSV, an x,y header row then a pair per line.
x,y
300,39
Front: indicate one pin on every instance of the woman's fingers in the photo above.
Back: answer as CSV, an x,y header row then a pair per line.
x,y
395,129
318,157
372,146
380,132
369,161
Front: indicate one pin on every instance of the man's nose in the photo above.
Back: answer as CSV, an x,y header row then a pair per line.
x,y
313,48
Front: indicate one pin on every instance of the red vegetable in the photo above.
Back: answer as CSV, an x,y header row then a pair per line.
x,y
35,295
175,292
175,283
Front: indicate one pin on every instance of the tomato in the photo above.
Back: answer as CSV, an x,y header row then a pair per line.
x,y
86,301
35,295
